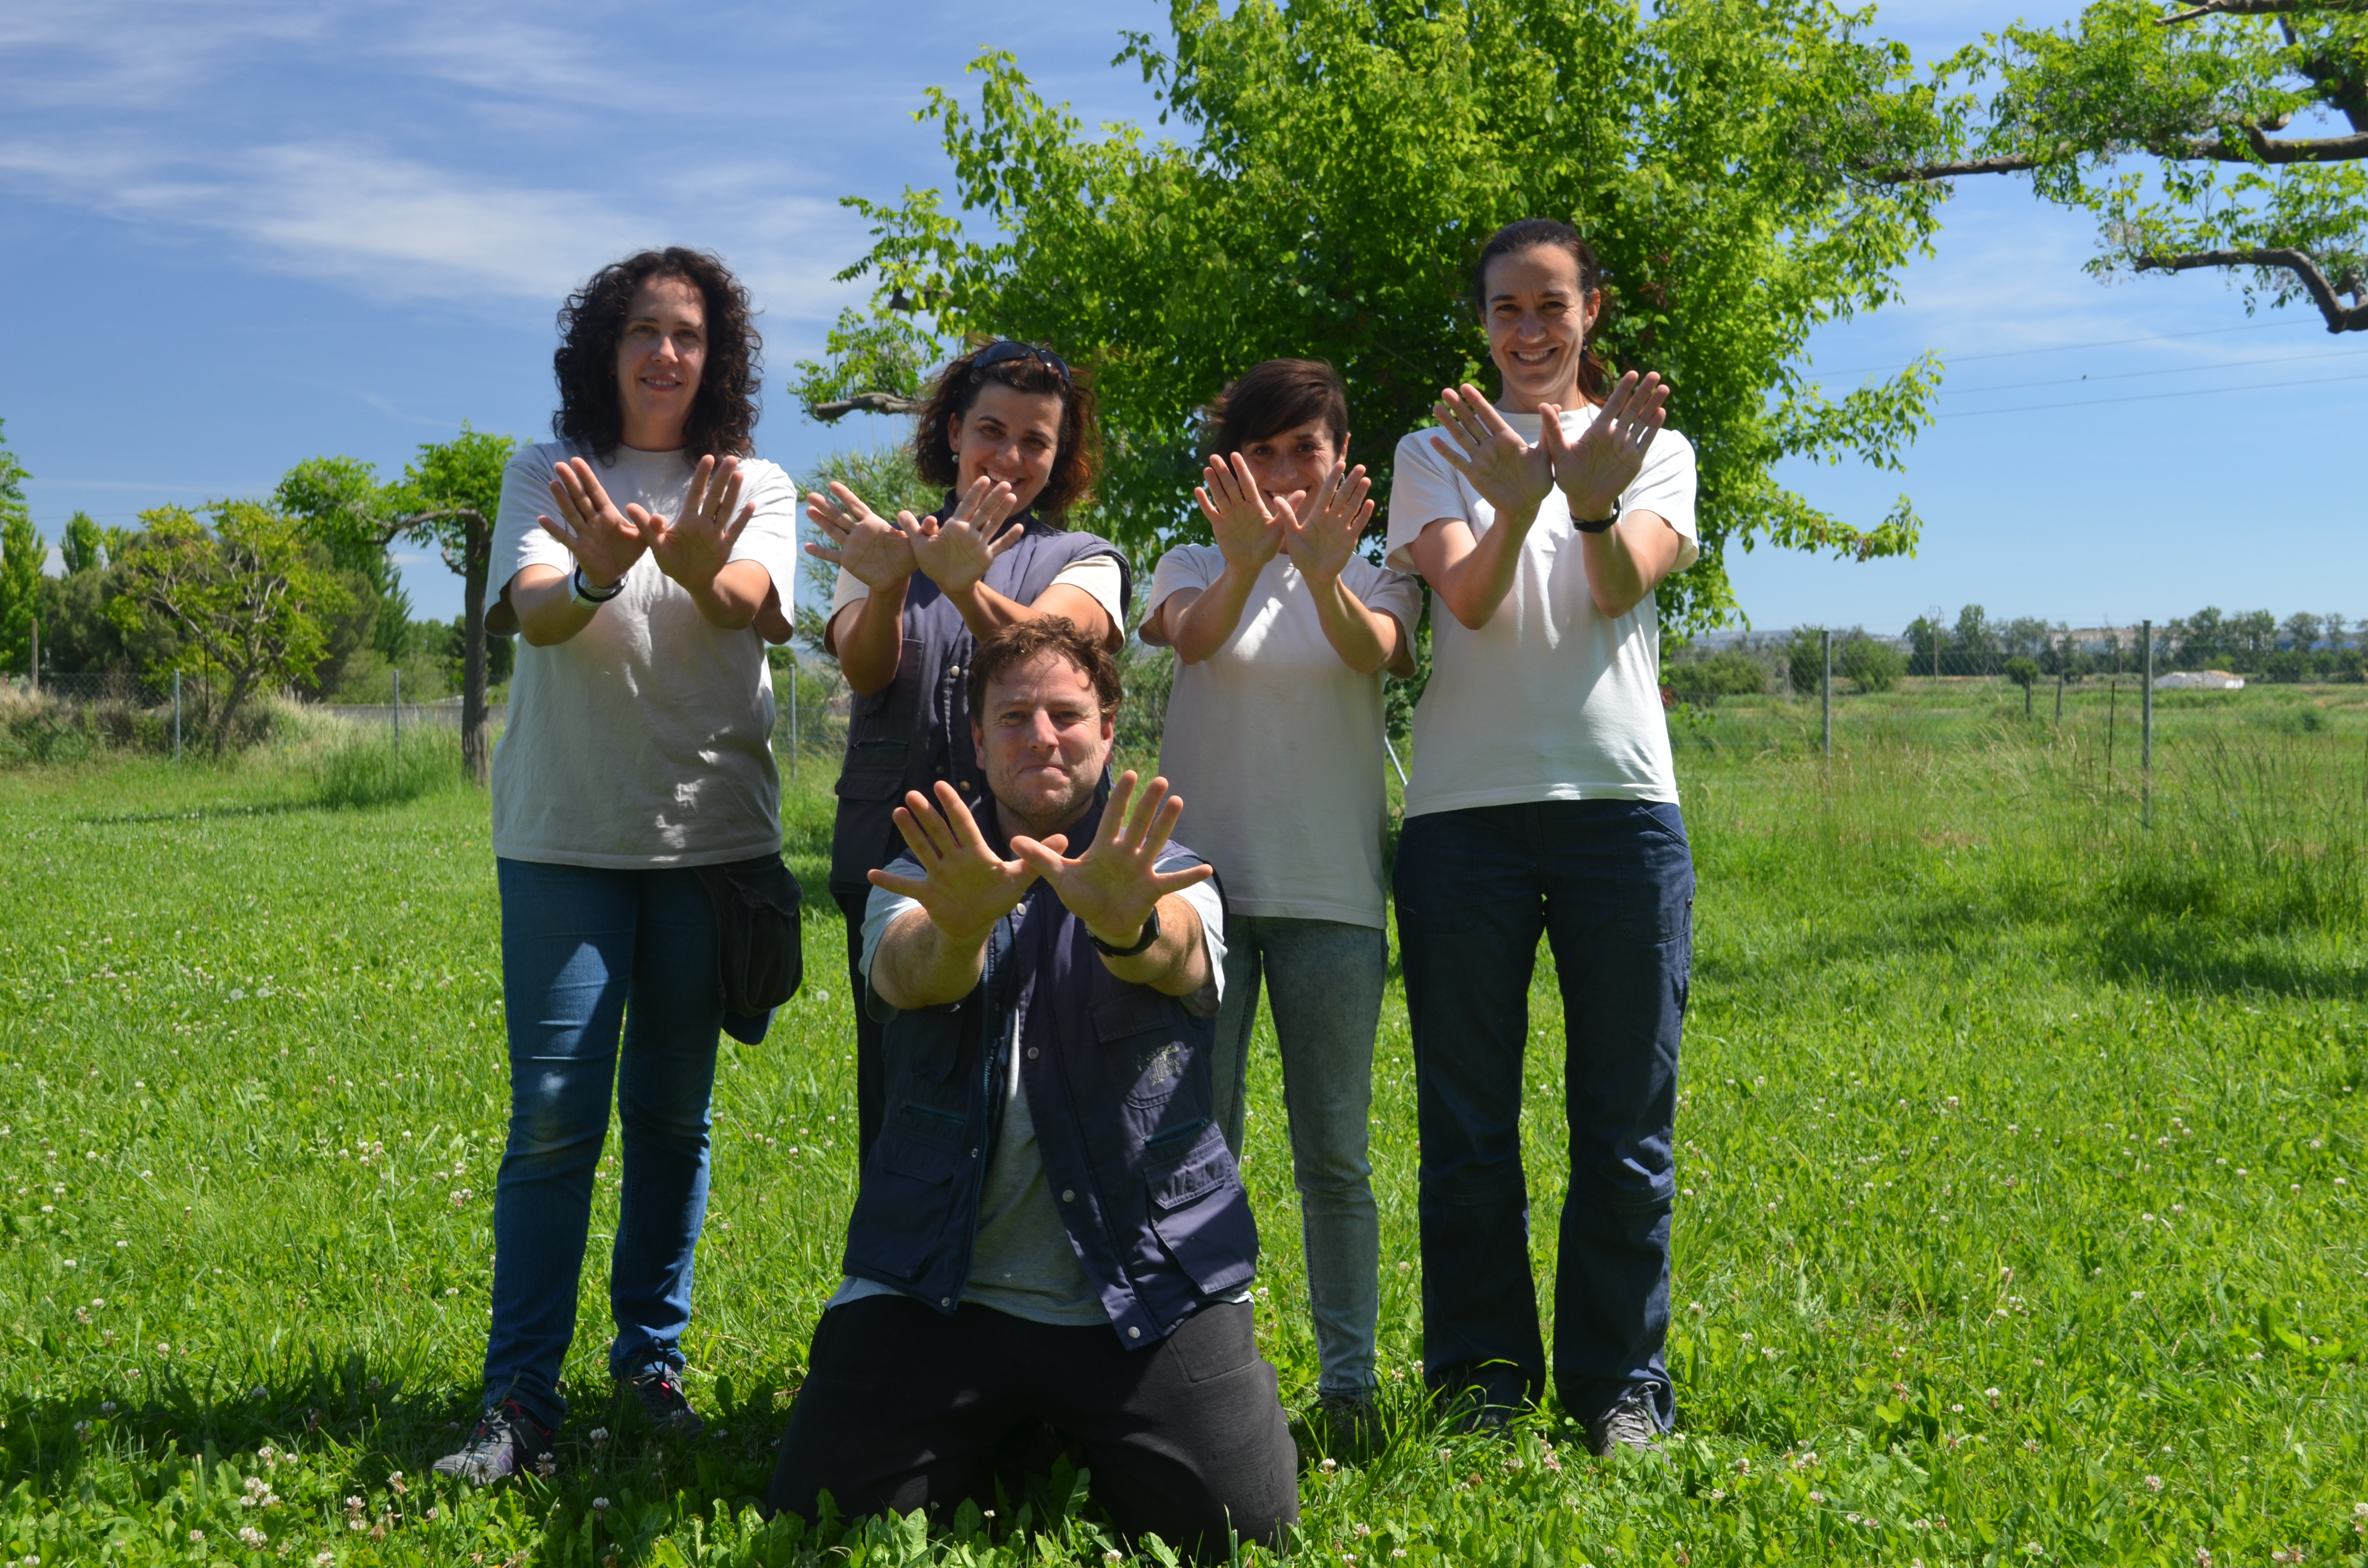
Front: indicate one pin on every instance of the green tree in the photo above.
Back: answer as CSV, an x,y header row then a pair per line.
x,y
1804,660
21,554
447,497
1870,664
253,596
2024,673
84,547
2193,94
1345,160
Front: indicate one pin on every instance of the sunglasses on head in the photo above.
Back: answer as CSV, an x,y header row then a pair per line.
x,y
1004,350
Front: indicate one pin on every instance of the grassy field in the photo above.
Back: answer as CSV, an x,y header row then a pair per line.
x,y
2020,1158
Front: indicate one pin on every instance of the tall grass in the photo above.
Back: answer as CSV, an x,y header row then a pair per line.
x,y
370,770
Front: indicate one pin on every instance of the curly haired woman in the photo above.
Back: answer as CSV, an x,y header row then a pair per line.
x,y
635,554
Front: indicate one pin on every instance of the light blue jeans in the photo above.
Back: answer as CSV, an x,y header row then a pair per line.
x,y
1323,984
589,955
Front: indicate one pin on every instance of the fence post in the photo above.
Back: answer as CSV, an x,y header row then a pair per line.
x,y
2146,729
793,714
1825,687
177,715
398,710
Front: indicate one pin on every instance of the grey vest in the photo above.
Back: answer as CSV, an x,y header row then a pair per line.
x,y
917,730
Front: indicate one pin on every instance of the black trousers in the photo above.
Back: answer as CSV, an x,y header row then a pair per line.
x,y
904,1408
870,1064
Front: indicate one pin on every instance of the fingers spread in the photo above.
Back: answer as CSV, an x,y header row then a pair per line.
x,y
1177,881
909,887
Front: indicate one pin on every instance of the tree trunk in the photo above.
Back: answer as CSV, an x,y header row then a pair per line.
x,y
478,555
238,690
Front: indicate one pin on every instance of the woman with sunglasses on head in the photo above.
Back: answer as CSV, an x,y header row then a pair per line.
x,y
637,554
1009,429
1283,632
1544,801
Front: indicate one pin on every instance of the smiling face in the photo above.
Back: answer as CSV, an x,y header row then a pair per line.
x,y
1296,459
1537,317
659,358
1042,740
1008,435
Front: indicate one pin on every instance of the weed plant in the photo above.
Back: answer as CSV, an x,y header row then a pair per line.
x,y
2019,1217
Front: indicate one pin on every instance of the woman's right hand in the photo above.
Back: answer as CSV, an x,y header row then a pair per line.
x,y
605,541
1247,530
1509,473
874,552
955,553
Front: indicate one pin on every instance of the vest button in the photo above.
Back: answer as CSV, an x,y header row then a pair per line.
x,y
1068,1195
1032,1053
945,1300
1134,1333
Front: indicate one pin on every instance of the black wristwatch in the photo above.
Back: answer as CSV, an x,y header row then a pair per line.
x,y
1142,943
1587,528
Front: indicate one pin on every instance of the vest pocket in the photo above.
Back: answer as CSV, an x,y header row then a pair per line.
x,y
1202,1215
900,1209
1147,1027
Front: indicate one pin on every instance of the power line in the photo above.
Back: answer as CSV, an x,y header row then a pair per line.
x,y
2069,347
2164,371
2152,397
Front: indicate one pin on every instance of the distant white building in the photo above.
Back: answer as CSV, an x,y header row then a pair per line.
x,y
2199,680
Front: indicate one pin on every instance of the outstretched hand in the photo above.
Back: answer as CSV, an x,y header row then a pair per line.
x,y
696,544
1604,461
955,553
875,552
1509,473
1337,514
1247,530
605,541
1113,886
965,885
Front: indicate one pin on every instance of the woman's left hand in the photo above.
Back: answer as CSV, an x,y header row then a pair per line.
x,y
955,553
1595,470
697,544
1337,514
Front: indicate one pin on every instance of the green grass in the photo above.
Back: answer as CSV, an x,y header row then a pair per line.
x,y
2021,1150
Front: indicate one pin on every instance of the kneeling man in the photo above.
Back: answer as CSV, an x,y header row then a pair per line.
x,y
1050,1227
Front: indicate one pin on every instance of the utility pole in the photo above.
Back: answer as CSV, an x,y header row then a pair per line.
x,y
2146,728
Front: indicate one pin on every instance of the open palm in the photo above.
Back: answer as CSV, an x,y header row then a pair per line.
x,y
965,885
1248,532
955,553
1322,544
872,550
1113,886
1604,461
1510,473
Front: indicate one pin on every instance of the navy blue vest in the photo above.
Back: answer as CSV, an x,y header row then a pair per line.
x,y
1118,1084
916,731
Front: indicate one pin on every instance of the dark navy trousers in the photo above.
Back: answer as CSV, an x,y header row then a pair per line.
x,y
1610,884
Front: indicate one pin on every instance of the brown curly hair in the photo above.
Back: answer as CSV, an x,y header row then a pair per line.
x,y
723,415
1076,461
1021,640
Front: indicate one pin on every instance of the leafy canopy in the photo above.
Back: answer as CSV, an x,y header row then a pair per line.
x,y
1343,161
21,554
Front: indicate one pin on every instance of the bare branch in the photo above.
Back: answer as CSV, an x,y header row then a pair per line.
x,y
864,403
2306,268
2256,8
1915,173
2301,150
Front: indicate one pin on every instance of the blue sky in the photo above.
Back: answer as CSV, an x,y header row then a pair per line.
x,y
242,234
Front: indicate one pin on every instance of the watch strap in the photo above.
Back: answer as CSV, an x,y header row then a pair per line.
x,y
1142,943
1595,528
585,595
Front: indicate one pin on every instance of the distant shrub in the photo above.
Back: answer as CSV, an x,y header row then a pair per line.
x,y
371,770
1871,666
1731,673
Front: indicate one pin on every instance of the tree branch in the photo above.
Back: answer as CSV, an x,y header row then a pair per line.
x,y
864,403
2256,8
2013,163
2339,318
2301,150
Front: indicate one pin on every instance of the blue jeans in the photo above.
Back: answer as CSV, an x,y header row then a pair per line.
x,y
1323,983
586,953
1610,884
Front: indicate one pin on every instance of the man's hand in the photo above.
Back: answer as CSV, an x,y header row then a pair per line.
x,y
1247,530
964,888
1113,885
1337,515
1509,473
875,552
1604,461
955,553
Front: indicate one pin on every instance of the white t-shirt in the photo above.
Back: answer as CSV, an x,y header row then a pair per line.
x,y
1097,574
1275,745
1551,700
646,739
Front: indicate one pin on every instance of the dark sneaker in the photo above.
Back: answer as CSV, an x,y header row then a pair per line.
x,y
659,1389
1341,1427
1630,1424
1480,1404
506,1440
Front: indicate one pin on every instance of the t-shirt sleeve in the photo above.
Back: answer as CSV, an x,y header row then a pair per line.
x,y
518,540
1666,485
1099,576
1392,592
1186,566
1423,489
879,911
770,539
1210,908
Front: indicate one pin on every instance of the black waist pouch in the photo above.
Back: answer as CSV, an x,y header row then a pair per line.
x,y
760,953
